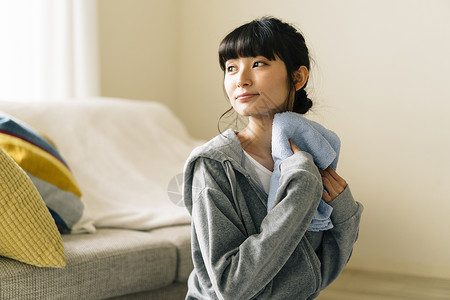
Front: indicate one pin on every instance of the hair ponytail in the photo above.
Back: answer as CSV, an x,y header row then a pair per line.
x,y
302,103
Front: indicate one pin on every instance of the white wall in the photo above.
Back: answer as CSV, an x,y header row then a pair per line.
x,y
382,83
138,41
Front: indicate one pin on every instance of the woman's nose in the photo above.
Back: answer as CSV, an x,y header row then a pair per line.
x,y
244,78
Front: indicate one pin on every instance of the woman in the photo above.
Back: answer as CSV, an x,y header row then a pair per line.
x,y
240,250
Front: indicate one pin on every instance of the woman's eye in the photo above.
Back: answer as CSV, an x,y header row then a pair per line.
x,y
231,68
258,64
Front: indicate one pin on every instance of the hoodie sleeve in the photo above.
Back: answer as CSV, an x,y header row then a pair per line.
x,y
337,243
228,258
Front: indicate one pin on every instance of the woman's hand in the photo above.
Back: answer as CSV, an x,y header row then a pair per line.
x,y
333,183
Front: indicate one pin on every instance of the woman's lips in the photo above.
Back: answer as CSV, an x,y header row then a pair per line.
x,y
245,96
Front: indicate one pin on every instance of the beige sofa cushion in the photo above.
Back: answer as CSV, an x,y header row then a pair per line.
x,y
180,236
108,263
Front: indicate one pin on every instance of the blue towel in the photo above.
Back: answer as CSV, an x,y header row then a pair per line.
x,y
309,136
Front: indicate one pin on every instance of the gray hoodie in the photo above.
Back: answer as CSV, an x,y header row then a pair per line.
x,y
242,252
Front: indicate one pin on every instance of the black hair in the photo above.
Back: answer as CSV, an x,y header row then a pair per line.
x,y
269,36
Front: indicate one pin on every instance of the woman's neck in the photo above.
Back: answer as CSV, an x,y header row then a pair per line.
x,y
256,140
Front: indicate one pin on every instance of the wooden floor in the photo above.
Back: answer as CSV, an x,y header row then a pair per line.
x,y
363,285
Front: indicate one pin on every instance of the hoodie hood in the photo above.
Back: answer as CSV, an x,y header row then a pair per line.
x,y
223,148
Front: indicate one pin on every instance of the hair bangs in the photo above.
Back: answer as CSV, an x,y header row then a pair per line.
x,y
250,40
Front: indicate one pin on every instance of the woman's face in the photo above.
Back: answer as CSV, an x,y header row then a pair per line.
x,y
257,86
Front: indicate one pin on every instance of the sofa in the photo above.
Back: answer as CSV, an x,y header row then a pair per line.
x,y
132,237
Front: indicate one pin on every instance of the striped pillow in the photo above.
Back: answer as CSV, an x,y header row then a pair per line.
x,y
48,171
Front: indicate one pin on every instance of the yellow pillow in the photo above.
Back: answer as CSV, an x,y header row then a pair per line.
x,y
46,168
28,232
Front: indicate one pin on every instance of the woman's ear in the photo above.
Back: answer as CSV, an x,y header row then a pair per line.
x,y
300,77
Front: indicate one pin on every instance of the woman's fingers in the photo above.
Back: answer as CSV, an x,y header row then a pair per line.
x,y
329,193
326,197
294,147
336,176
333,183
